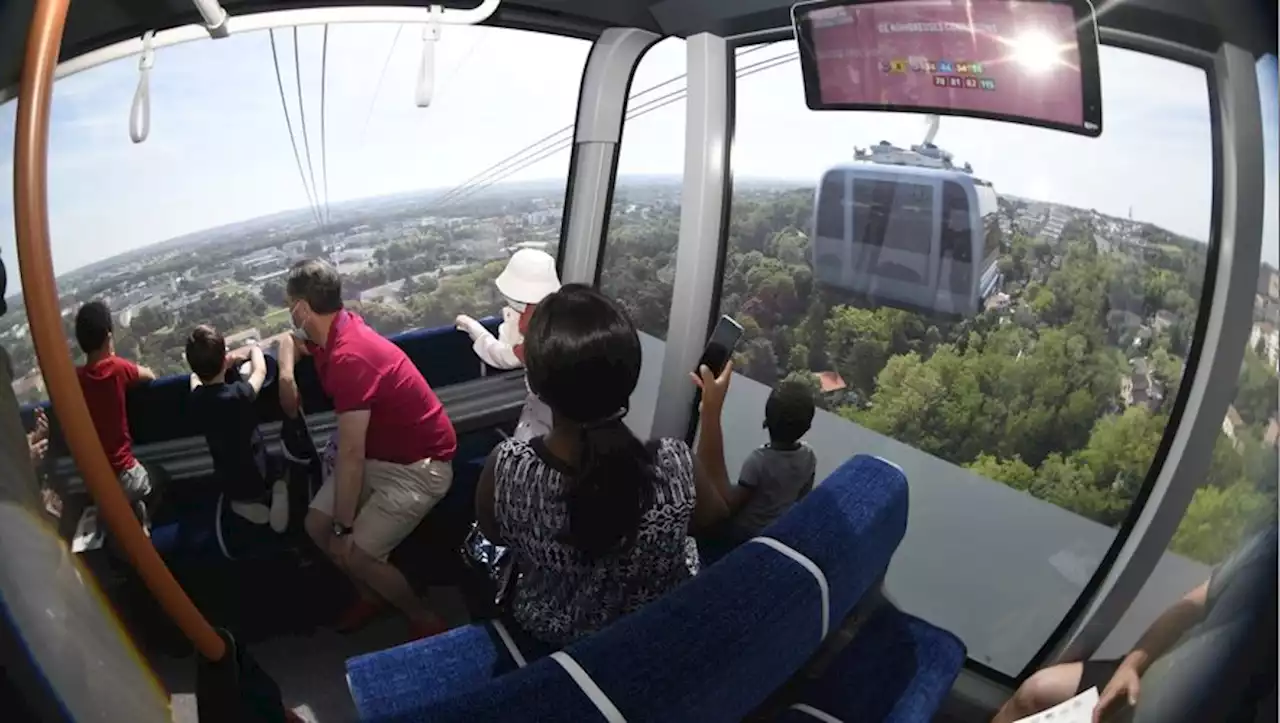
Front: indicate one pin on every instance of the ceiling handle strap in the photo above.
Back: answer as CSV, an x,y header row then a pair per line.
x,y
426,85
140,111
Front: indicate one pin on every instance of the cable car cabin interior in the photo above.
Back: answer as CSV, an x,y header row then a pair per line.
x,y
1043,383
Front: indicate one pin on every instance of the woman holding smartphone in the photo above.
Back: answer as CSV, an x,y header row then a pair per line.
x,y
599,521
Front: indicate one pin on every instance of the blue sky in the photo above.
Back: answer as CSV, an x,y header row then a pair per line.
x,y
219,151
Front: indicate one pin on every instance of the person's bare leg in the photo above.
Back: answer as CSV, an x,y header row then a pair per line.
x,y
1044,689
319,528
390,583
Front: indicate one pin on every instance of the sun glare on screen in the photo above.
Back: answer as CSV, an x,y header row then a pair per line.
x,y
1036,51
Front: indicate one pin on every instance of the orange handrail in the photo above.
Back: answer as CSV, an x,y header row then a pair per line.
x,y
40,293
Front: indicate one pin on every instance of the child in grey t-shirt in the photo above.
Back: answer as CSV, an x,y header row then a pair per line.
x,y
773,477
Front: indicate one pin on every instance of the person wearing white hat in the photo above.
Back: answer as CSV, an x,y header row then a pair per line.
x,y
529,277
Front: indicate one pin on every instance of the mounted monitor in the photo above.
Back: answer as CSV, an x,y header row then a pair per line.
x,y
1033,62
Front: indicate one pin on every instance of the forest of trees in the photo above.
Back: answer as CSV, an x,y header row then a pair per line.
x,y
1030,397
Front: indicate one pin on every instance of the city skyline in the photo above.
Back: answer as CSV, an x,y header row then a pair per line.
x,y
219,151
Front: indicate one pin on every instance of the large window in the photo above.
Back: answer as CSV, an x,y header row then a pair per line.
x,y
639,264
1239,493
418,207
1027,428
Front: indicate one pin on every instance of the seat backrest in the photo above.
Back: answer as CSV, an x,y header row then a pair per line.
x,y
712,649
849,526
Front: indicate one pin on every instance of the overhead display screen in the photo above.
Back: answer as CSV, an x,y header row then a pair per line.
x,y
1034,62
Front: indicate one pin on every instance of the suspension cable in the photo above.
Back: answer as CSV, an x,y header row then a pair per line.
x,y
377,87
293,139
324,146
517,158
488,178
302,117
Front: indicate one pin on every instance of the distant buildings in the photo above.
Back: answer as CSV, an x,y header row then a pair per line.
x,y
1140,388
1271,437
1163,320
385,294
1266,335
1231,423
29,385
240,337
1269,283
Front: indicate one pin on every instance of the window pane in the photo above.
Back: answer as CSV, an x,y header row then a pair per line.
x,y
1027,426
1240,491
201,221
639,263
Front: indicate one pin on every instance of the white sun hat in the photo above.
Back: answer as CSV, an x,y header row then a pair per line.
x,y
529,277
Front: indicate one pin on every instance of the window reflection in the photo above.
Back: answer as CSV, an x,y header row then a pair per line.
x,y
1027,427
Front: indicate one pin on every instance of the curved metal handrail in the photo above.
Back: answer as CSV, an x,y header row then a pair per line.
x,y
39,288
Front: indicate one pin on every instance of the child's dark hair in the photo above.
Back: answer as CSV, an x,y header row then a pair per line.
x,y
93,326
582,357
789,413
206,352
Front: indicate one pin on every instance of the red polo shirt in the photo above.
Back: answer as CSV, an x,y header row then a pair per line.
x,y
103,384
361,369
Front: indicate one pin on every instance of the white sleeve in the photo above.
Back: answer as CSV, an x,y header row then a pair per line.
x,y
495,353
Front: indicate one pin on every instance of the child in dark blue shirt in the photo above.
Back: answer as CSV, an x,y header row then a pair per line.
x,y
251,480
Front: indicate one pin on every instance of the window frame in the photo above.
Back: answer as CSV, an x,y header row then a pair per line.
x,y
1232,254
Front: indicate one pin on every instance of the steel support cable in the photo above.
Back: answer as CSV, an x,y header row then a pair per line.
x,y
293,138
302,118
377,87
517,157
40,294
649,106
324,146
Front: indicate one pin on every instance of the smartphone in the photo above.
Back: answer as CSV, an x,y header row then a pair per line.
x,y
721,345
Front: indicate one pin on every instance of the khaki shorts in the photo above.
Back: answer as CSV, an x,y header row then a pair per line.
x,y
393,500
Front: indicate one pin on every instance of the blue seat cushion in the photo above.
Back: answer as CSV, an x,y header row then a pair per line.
x,y
898,669
462,675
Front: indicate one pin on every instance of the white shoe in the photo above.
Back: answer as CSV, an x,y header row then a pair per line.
x,y
279,515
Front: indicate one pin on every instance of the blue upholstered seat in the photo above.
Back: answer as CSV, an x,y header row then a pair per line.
x,y
712,650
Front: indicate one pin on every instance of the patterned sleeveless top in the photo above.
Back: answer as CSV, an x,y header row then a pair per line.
x,y
561,595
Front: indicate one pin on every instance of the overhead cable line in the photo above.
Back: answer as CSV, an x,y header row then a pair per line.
x,y
293,139
518,157
302,117
464,192
377,87
324,146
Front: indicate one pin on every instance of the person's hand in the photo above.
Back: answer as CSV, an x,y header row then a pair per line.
x,y
468,325
714,388
38,450
52,503
1122,686
340,549
41,431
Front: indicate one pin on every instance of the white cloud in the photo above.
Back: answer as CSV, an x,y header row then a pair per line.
x,y
219,150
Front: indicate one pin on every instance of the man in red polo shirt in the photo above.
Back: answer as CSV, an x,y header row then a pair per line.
x,y
395,444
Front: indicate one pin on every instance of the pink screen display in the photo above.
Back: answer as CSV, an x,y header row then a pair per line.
x,y
993,56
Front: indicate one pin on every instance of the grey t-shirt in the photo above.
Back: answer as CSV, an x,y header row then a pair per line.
x,y
777,478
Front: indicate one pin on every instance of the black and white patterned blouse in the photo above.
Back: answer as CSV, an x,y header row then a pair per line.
x,y
561,594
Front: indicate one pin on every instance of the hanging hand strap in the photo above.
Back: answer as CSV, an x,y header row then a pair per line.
x,y
140,112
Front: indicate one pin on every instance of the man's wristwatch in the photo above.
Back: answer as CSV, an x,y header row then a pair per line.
x,y
341,530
